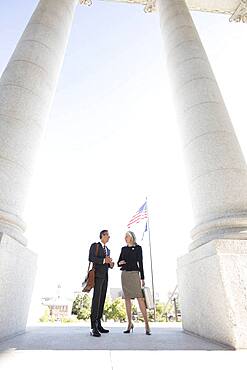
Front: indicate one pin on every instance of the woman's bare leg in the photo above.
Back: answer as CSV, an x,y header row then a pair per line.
x,y
142,306
128,311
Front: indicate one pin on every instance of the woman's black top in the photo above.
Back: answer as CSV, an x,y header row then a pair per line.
x,y
133,258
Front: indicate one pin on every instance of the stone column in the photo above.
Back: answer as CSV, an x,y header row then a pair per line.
x,y
27,87
216,168
217,175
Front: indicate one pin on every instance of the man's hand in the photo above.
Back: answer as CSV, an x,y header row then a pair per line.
x,y
112,265
108,260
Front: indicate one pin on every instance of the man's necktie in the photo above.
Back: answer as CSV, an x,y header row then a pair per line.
x,y
104,248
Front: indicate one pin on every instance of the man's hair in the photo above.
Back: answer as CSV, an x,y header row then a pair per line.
x,y
102,233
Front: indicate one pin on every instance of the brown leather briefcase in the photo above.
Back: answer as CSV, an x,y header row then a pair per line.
x,y
89,281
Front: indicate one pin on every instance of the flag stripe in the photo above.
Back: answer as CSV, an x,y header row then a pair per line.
x,y
141,214
144,215
138,218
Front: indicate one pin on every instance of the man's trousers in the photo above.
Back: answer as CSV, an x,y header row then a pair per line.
x,y
98,301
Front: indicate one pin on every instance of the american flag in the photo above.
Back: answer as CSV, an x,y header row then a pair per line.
x,y
141,214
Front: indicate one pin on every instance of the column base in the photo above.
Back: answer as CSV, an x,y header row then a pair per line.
x,y
18,266
212,284
232,227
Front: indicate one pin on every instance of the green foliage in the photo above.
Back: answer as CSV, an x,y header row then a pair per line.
x,y
46,316
108,309
160,312
118,312
169,307
83,314
77,304
134,309
82,306
115,310
66,320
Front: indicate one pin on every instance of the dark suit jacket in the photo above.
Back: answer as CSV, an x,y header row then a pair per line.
x,y
101,270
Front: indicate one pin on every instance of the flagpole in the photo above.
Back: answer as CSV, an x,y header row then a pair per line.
x,y
151,260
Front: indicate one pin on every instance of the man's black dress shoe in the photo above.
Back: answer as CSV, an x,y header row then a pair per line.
x,y
101,329
95,333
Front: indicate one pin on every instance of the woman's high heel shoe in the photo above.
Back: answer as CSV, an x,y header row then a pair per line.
x,y
131,327
148,331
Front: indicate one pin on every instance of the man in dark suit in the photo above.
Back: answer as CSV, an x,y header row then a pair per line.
x,y
99,254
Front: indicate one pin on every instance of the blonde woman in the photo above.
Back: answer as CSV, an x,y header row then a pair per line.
x,y
131,263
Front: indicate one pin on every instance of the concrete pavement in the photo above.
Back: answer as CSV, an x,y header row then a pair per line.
x,y
45,346
77,337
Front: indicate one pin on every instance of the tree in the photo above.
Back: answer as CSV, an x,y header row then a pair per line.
x,y
118,312
108,309
76,304
82,306
160,312
114,310
86,301
46,316
83,314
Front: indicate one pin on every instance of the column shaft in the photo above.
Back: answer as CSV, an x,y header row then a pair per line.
x,y
27,87
216,168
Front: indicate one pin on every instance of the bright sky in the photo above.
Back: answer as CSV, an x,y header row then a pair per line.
x,y
112,139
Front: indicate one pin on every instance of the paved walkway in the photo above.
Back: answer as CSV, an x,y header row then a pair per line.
x,y
71,345
77,337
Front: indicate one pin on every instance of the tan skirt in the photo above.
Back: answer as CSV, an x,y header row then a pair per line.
x,y
131,284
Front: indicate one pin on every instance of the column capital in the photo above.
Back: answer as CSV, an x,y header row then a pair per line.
x,y
86,2
150,6
240,13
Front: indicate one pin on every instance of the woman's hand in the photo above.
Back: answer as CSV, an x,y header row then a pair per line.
x,y
143,283
122,263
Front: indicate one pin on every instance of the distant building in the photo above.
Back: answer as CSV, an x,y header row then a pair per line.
x,y
59,306
115,293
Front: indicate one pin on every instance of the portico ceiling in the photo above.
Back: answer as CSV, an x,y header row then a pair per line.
x,y
237,8
221,6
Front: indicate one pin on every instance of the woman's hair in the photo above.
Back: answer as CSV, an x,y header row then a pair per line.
x,y
132,235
